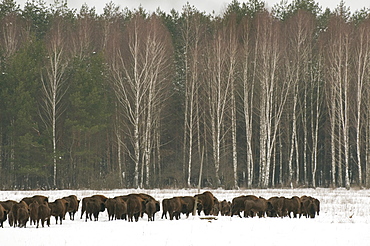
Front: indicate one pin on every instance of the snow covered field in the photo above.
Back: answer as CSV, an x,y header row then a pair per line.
x,y
344,220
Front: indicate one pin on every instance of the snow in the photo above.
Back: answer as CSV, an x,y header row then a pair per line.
x,y
344,220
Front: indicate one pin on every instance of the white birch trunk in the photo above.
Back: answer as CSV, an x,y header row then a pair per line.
x,y
54,88
248,92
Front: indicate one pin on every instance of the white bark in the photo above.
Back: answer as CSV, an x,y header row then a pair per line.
x,y
191,35
362,66
248,83
273,92
54,85
338,60
139,66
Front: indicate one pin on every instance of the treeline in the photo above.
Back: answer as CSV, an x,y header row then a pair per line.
x,y
260,97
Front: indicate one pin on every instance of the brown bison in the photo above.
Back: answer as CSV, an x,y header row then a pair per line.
x,y
116,208
165,207
143,197
3,214
110,205
34,212
13,217
44,214
175,206
208,200
256,207
59,209
225,208
22,217
73,204
188,207
93,208
238,205
99,198
135,207
310,206
292,205
277,207
151,208
121,209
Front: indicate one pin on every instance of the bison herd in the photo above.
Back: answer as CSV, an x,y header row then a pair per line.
x,y
131,207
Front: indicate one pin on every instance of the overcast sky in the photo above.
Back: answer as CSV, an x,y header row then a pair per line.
x,y
203,5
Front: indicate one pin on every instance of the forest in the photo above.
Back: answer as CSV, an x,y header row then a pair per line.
x,y
254,97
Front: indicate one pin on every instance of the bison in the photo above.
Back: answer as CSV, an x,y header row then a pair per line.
x,y
22,217
110,205
175,206
151,208
292,205
165,207
121,208
34,212
225,208
44,214
93,206
99,198
257,206
208,200
310,206
238,205
135,205
189,203
73,204
277,207
59,209
13,214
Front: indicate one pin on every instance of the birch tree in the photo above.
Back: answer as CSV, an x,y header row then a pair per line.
x,y
361,60
232,48
248,78
338,81
221,58
54,83
316,99
272,92
192,32
297,60
140,64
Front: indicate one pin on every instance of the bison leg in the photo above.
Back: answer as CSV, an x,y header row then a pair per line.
x,y
137,215
164,214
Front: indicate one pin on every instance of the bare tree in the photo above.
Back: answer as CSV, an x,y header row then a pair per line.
x,y
272,92
221,62
54,84
140,61
361,61
192,32
316,101
299,35
231,37
248,78
337,53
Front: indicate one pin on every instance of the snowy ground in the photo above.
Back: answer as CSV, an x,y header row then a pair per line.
x,y
344,220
